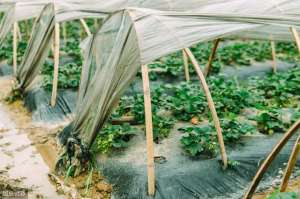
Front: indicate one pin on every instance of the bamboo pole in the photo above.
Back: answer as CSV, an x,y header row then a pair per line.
x,y
27,28
267,162
296,37
274,65
15,47
211,57
19,32
149,131
85,26
56,64
96,23
186,66
291,163
210,104
64,32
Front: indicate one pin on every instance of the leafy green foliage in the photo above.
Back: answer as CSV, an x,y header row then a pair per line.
x,y
172,64
269,122
229,96
280,88
233,164
282,195
113,136
70,63
134,105
188,101
161,127
233,129
198,140
229,53
69,75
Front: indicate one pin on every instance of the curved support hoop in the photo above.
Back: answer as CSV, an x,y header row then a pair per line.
x,y
210,104
186,66
290,166
266,164
85,26
211,57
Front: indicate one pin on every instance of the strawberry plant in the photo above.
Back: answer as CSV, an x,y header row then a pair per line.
x,y
188,101
113,136
269,122
69,75
228,96
278,89
283,195
134,105
197,140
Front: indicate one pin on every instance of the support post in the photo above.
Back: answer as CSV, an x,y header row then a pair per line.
x,y
149,131
86,28
211,57
291,163
267,162
296,37
19,32
56,64
274,65
27,29
210,104
186,66
64,29
15,47
96,23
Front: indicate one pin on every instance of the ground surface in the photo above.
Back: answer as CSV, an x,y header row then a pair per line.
x,y
28,151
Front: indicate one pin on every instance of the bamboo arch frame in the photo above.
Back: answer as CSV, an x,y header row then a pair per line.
x,y
266,164
149,126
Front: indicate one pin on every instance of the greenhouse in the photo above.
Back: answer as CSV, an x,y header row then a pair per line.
x,y
150,99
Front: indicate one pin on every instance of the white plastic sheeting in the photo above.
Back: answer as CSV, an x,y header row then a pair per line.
x,y
18,10
136,36
67,10
7,20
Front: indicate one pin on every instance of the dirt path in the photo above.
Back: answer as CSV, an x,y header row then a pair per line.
x,y
28,152
20,160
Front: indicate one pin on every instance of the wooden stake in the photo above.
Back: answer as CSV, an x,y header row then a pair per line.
x,y
149,131
210,104
15,47
86,28
266,164
19,32
290,166
274,65
27,28
211,57
296,37
186,66
64,29
56,64
96,24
